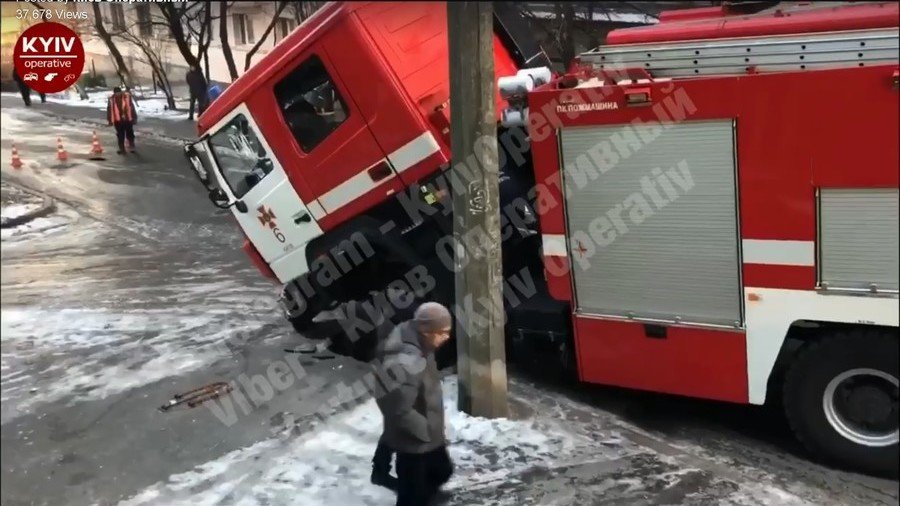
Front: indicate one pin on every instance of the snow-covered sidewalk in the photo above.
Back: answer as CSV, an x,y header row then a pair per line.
x,y
148,104
554,453
153,116
330,465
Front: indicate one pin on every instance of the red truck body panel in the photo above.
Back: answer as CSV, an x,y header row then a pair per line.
x,y
820,139
777,21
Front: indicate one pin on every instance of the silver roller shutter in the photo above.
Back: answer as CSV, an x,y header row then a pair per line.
x,y
858,238
681,263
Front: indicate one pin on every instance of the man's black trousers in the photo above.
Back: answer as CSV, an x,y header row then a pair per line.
x,y
124,130
419,476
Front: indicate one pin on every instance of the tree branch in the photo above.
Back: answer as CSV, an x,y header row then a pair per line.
x,y
265,35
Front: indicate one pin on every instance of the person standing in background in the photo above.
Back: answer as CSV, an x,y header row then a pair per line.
x,y
197,89
121,114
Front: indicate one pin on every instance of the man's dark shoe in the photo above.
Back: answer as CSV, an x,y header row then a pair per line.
x,y
121,151
383,479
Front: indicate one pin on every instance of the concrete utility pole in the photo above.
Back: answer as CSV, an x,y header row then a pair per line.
x,y
481,349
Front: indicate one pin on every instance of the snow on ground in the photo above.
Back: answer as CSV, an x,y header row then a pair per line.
x,y
15,202
109,326
330,465
13,211
78,354
148,104
502,462
38,226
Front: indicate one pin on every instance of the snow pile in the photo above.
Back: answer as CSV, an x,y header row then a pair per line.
x,y
36,226
330,465
16,202
14,211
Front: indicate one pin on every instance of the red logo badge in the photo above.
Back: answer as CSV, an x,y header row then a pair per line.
x,y
48,57
266,217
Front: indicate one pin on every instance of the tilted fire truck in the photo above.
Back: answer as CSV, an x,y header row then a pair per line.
x,y
717,195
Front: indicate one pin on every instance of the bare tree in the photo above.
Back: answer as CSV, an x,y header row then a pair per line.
x,y
303,10
177,17
199,27
223,38
106,37
278,10
154,52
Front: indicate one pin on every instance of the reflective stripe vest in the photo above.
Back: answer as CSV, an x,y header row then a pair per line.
x,y
120,108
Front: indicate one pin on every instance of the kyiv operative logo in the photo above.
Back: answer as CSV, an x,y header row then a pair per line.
x,y
48,57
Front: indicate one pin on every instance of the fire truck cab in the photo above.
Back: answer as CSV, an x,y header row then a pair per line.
x,y
311,148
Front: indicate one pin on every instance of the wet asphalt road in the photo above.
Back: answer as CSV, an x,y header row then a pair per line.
x,y
125,296
119,302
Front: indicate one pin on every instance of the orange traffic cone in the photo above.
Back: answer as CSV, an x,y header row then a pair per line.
x,y
96,148
61,154
16,161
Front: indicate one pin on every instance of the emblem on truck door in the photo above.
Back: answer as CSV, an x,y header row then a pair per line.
x,y
267,219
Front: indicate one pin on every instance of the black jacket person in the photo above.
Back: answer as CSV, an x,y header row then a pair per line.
x,y
197,90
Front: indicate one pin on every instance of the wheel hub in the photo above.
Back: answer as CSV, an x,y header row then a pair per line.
x,y
861,405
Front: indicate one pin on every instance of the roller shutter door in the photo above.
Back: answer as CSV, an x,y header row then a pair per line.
x,y
672,255
858,238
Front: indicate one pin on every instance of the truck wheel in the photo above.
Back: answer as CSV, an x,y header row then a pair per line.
x,y
840,398
304,321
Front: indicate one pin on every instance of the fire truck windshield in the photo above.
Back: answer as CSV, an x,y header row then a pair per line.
x,y
241,158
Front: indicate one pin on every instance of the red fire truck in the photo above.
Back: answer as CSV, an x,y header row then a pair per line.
x,y
716,195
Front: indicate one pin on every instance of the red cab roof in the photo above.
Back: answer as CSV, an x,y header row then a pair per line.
x,y
279,56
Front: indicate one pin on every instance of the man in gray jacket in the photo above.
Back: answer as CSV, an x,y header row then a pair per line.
x,y
413,405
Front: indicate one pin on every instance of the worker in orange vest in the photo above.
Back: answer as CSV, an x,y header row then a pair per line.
x,y
121,113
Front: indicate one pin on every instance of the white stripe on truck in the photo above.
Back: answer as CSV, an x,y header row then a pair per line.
x,y
408,155
774,252
344,193
414,152
554,245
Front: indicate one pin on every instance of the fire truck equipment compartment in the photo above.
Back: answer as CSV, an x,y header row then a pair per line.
x,y
854,256
671,257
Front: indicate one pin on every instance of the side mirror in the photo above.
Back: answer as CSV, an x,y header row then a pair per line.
x,y
218,198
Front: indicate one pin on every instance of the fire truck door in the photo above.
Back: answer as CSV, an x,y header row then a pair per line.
x,y
262,199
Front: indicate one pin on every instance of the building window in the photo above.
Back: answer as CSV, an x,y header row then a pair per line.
x,y
118,17
283,27
145,24
243,29
310,103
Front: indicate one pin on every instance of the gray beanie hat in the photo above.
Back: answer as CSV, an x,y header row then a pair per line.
x,y
431,317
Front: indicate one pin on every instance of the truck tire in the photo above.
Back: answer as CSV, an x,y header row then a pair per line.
x,y
304,321
840,398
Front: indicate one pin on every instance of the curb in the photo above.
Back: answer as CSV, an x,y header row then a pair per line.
x,y
48,206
